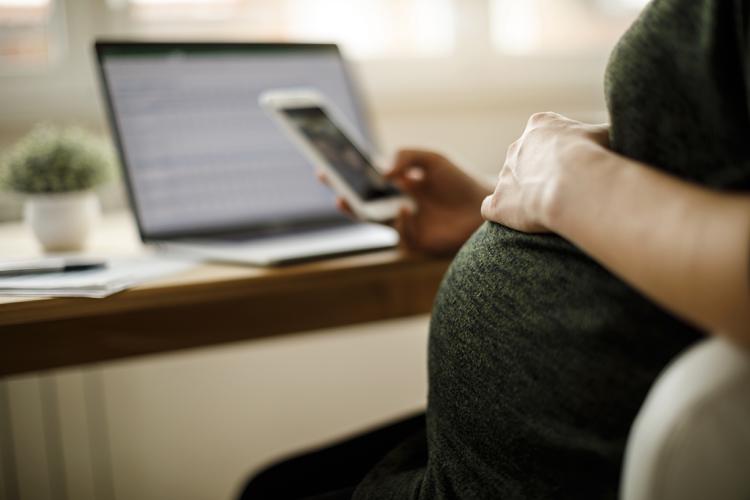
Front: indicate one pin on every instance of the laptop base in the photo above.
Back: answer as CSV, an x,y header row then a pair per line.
x,y
288,248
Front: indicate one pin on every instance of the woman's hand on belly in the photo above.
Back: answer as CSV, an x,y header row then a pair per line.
x,y
683,245
525,190
448,202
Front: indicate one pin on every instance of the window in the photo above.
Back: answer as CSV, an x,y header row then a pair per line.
x,y
522,27
185,10
364,28
395,28
29,37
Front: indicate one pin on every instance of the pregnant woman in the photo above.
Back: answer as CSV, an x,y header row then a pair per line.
x,y
606,251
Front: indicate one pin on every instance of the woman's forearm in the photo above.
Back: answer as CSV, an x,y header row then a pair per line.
x,y
686,247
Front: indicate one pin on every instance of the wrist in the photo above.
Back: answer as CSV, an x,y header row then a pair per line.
x,y
584,167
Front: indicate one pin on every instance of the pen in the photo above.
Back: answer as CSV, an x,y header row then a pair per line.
x,y
46,266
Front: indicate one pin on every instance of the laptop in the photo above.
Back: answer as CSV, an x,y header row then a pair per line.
x,y
208,173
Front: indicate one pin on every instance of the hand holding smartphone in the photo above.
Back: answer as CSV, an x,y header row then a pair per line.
x,y
323,135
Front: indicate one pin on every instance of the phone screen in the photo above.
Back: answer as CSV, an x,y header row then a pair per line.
x,y
351,164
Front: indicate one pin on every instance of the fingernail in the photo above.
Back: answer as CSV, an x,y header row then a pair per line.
x,y
415,175
487,203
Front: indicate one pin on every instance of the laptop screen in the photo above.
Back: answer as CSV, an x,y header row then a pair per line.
x,y
200,156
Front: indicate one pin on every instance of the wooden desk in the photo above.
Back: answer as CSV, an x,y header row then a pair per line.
x,y
207,305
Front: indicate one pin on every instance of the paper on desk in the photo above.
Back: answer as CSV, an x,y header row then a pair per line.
x,y
120,273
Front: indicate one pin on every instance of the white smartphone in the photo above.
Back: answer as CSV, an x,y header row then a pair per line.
x,y
324,136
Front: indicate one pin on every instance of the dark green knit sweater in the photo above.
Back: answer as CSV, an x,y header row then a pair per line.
x,y
539,358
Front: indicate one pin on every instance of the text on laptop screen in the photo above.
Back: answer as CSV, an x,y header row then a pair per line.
x,y
200,152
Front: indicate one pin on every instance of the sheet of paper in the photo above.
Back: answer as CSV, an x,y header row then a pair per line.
x,y
120,273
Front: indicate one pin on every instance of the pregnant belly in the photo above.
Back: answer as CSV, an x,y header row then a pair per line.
x,y
539,360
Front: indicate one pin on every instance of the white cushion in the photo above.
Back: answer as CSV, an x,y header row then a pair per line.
x,y
691,439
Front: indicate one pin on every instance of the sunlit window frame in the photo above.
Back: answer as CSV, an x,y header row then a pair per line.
x,y
482,29
58,46
521,43
473,75
160,25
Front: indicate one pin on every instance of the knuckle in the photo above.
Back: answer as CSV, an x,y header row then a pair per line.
x,y
538,117
412,156
487,205
434,157
407,154
542,118
505,171
534,133
402,155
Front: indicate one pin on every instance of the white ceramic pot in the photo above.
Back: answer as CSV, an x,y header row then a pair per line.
x,y
62,222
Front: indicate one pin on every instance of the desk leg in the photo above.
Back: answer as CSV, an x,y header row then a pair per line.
x,y
8,467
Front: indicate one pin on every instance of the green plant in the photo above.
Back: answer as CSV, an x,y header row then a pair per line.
x,y
54,160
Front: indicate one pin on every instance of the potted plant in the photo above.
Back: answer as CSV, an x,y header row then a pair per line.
x,y
56,170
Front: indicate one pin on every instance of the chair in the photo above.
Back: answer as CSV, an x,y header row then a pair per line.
x,y
691,439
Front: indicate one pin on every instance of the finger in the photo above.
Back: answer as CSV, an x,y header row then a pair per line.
x,y
411,182
539,119
488,207
407,159
341,204
513,149
414,175
344,207
600,133
398,225
404,224
546,119
322,177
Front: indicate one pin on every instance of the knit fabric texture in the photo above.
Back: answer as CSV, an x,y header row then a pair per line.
x,y
539,358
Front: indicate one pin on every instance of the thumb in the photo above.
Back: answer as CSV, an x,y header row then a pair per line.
x,y
488,207
411,182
